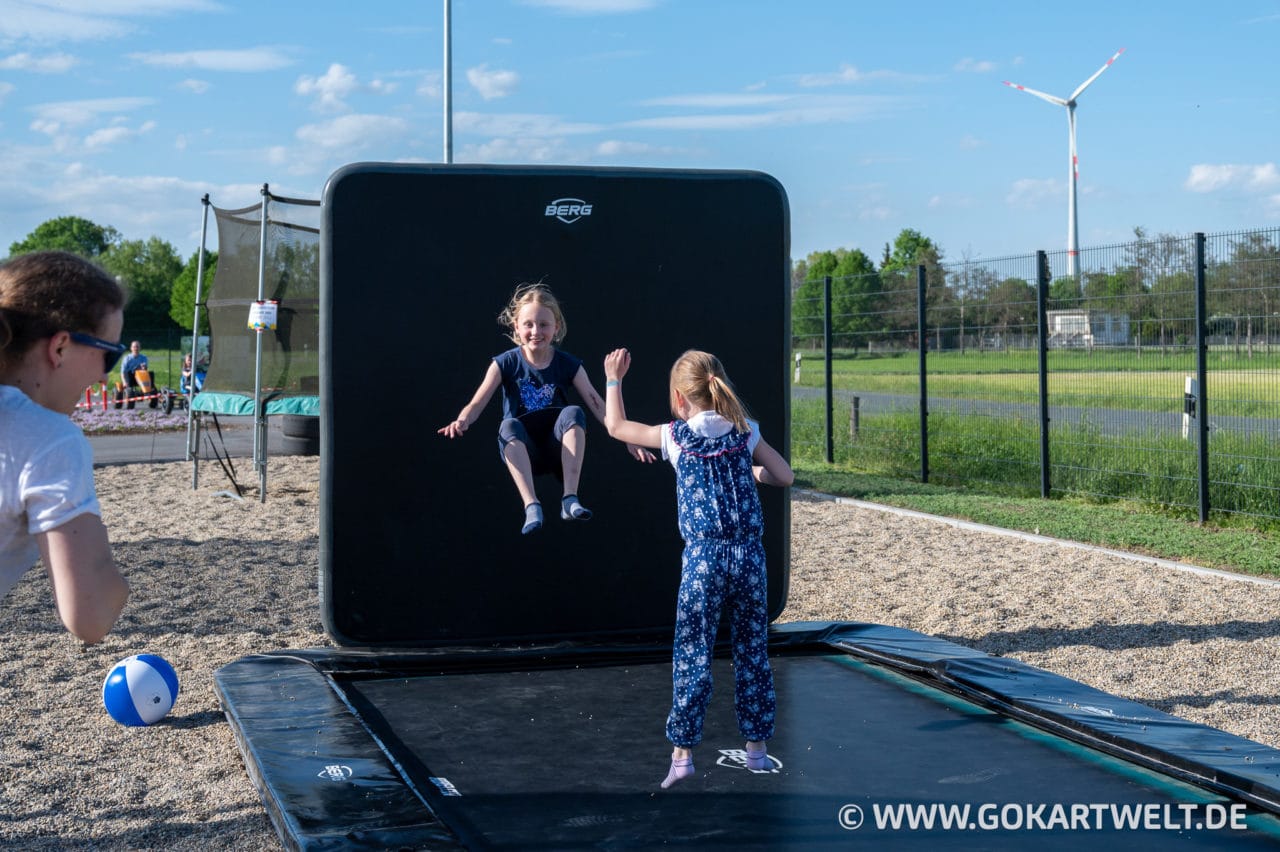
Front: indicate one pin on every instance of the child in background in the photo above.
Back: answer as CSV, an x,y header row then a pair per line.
x,y
539,428
719,456
60,321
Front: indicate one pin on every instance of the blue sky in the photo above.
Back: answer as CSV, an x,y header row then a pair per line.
x,y
874,116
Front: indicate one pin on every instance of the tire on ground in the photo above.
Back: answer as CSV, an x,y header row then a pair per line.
x,y
291,445
300,425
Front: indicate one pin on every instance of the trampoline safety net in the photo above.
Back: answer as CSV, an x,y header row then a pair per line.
x,y
289,248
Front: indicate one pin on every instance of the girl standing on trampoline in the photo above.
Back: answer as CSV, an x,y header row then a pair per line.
x,y
718,456
540,431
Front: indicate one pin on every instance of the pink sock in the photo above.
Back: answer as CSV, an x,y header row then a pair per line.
x,y
680,769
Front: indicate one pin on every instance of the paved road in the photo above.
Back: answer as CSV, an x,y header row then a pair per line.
x,y
1110,422
236,440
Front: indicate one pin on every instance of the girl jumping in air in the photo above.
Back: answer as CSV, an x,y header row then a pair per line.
x,y
539,428
718,456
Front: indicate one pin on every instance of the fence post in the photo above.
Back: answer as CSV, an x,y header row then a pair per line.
x,y
826,345
1202,408
1042,322
922,341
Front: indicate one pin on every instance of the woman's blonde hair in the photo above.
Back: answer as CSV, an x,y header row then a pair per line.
x,y
700,378
532,294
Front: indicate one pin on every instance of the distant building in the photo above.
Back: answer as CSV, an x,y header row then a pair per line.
x,y
1081,328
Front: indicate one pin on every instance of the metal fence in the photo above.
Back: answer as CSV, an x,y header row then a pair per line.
x,y
1149,375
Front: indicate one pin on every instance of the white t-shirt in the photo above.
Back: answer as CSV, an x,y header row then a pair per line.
x,y
708,424
46,479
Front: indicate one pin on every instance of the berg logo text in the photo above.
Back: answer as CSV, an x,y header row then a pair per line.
x,y
568,210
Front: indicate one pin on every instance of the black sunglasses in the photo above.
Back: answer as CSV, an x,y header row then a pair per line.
x,y
111,351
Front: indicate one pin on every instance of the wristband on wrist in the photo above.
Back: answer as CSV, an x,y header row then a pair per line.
x,y
612,383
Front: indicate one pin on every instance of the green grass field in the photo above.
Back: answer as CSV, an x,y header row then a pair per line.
x,y
1236,385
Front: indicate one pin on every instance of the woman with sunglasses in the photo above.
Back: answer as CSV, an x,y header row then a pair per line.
x,y
59,316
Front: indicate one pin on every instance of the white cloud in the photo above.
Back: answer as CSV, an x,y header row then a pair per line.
x,y
717,101
1028,193
114,134
492,84
195,87
249,60
53,117
512,125
352,132
431,86
782,110
512,150
330,90
1205,177
5,89
847,74
53,63
83,20
621,148
975,66
969,142
593,7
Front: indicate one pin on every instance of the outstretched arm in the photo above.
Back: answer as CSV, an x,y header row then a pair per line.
x,y
88,589
491,382
771,468
616,364
582,383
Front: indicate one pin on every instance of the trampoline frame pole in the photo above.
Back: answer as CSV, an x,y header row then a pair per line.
x,y
259,416
192,445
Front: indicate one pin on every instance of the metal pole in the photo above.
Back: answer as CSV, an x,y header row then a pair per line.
x,y
259,416
1202,404
195,338
826,345
1042,322
922,340
448,86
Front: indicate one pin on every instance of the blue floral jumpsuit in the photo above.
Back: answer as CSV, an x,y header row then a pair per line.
x,y
721,522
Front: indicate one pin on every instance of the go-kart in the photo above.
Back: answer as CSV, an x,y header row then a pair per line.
x,y
181,398
143,389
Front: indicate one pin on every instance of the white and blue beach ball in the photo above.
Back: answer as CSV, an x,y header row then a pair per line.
x,y
140,690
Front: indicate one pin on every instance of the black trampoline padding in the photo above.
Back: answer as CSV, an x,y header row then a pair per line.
x,y
563,747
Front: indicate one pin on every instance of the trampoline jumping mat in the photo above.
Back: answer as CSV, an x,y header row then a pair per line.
x,y
885,736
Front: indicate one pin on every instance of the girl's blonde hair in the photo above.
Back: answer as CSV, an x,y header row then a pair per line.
x,y
700,378
532,294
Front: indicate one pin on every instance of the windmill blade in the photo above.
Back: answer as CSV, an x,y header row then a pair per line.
x,y
1096,75
1050,98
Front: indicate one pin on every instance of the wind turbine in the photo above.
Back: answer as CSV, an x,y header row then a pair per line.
x,y
1073,223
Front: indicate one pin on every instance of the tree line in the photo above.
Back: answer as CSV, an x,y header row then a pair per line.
x,y
1151,282
161,286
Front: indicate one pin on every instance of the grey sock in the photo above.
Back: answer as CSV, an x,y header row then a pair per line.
x,y
572,510
532,518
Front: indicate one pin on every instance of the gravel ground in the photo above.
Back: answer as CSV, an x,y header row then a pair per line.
x,y
215,578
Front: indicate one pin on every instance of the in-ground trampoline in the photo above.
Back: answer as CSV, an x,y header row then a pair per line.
x,y
493,690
